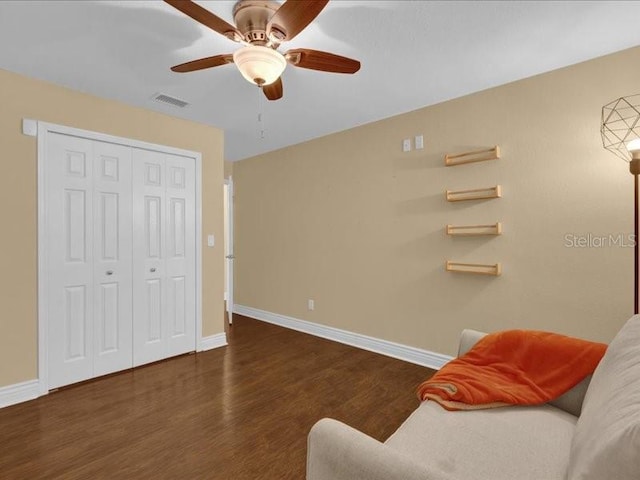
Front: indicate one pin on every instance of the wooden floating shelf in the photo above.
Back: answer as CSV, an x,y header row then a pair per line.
x,y
474,230
476,268
470,157
475,194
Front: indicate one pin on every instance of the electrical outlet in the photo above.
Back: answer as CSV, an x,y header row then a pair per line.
x,y
311,304
406,145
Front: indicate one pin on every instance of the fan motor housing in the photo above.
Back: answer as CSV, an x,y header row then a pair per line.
x,y
251,18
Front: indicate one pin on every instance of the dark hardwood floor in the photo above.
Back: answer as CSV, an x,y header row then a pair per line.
x,y
239,412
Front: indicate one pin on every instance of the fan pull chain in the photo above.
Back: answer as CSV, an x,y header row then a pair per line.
x,y
260,112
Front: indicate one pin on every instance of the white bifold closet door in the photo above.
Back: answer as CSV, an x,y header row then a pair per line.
x,y
164,258
120,257
89,256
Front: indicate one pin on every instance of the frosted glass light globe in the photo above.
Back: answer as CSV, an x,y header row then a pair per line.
x,y
259,65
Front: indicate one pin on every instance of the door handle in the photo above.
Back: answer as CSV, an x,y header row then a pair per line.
x,y
230,257
109,272
152,269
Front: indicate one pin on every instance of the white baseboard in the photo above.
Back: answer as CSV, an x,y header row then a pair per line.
x,y
418,356
24,391
213,341
19,392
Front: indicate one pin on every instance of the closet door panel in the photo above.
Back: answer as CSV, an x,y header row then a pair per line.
x,y
149,246
180,262
69,203
112,234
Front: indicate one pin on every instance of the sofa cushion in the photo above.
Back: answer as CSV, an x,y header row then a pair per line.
x,y
504,443
607,439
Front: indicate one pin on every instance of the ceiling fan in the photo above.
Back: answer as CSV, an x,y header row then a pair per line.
x,y
261,26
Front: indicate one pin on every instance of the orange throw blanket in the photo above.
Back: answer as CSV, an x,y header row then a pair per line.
x,y
514,367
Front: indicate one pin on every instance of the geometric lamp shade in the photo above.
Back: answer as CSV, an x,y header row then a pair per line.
x,y
621,125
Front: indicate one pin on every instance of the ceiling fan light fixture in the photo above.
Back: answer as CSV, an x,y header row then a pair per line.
x,y
259,65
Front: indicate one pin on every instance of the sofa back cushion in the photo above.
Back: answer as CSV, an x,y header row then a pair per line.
x,y
606,444
571,401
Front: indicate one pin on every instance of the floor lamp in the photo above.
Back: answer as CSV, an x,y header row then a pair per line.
x,y
621,136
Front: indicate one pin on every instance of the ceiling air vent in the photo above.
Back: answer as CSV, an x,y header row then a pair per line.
x,y
166,99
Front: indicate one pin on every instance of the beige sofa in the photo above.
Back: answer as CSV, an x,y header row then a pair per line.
x,y
591,432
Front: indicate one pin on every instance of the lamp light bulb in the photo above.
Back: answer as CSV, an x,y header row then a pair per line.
x,y
634,145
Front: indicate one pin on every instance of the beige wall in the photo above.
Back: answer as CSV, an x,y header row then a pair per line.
x,y
355,224
22,97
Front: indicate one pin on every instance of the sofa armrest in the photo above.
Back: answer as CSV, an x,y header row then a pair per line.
x,y
336,451
468,339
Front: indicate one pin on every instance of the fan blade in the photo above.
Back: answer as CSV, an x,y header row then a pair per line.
x,y
273,91
293,16
206,18
203,63
323,61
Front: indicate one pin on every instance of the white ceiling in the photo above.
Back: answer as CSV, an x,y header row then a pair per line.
x,y
413,54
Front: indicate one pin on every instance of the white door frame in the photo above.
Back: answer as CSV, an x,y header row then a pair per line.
x,y
229,248
44,129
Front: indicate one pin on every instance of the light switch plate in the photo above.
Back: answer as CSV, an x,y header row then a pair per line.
x,y
419,140
406,145
211,241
